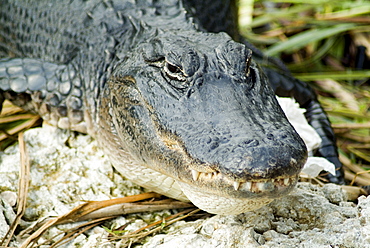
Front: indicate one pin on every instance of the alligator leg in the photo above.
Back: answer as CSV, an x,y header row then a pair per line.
x,y
50,90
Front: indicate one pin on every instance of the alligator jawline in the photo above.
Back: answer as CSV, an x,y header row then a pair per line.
x,y
251,188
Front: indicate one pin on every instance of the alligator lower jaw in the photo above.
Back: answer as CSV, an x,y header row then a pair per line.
x,y
216,204
241,197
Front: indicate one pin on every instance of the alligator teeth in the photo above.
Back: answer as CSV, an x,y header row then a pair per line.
x,y
236,185
257,186
260,186
286,181
195,174
248,185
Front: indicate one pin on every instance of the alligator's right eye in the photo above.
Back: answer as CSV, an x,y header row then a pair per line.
x,y
173,68
174,72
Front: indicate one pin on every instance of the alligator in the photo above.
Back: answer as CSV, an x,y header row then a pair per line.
x,y
173,95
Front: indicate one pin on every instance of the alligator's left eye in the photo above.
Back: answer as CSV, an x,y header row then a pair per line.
x,y
174,72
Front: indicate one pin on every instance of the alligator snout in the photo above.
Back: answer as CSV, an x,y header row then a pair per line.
x,y
240,130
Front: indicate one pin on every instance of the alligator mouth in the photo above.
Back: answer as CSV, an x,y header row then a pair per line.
x,y
265,185
236,197
254,186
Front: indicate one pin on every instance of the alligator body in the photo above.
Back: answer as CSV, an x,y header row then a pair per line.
x,y
178,110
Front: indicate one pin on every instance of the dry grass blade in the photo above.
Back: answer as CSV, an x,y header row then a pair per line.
x,y
353,167
356,137
359,174
10,109
361,150
130,208
107,209
355,178
78,230
355,173
338,91
134,237
36,235
353,192
23,126
161,222
351,125
24,179
14,120
81,212
26,125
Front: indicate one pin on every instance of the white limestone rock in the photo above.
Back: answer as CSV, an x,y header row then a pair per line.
x,y
305,218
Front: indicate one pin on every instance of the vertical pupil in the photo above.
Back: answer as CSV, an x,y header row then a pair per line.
x,y
172,68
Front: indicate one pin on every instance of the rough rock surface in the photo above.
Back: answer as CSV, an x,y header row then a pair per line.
x,y
67,168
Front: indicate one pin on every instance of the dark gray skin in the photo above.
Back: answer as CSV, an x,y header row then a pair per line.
x,y
153,89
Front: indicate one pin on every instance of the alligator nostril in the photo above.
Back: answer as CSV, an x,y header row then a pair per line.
x,y
283,136
270,136
214,145
250,143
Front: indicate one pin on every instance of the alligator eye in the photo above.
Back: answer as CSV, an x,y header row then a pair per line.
x,y
174,72
173,69
248,66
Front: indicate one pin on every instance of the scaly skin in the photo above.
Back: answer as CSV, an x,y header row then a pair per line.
x,y
185,113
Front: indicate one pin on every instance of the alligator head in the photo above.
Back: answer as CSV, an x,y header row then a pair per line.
x,y
197,108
